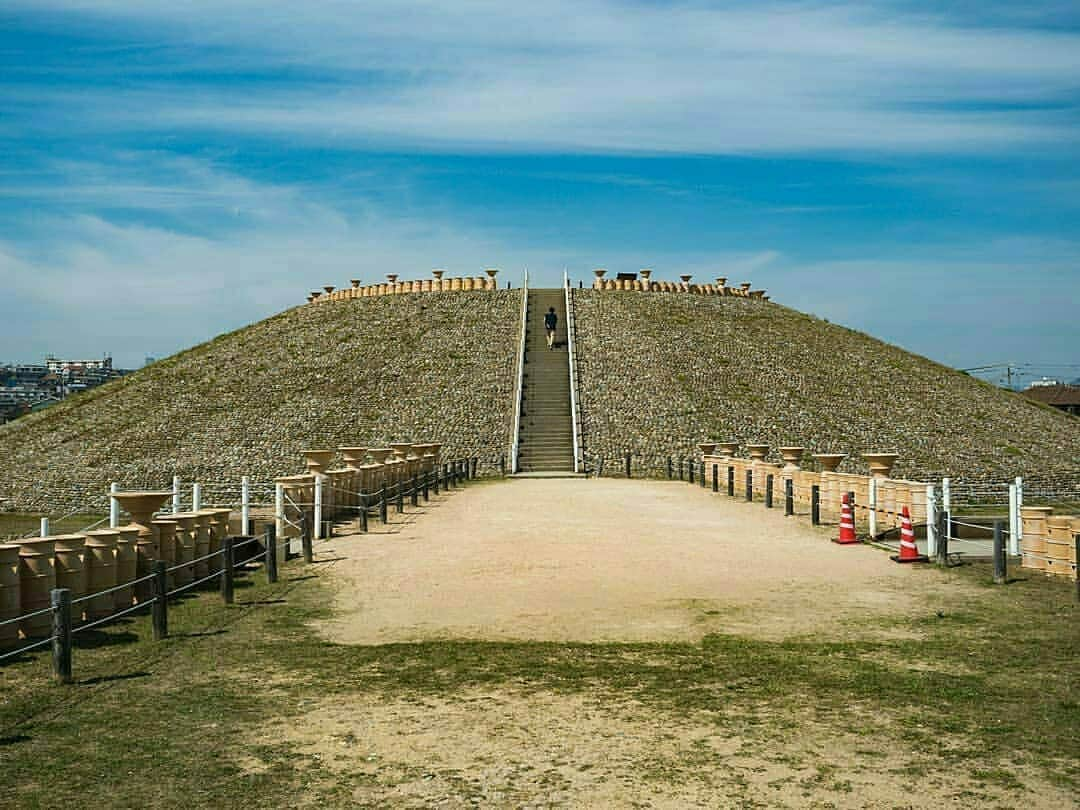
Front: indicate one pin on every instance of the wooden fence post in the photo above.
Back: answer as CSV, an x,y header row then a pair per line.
x,y
1000,573
227,560
160,608
271,553
60,599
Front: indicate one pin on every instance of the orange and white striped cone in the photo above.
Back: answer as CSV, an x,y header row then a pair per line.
x,y
847,524
909,552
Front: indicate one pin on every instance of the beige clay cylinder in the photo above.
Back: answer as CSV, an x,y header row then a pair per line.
x,y
99,560
204,530
10,605
37,578
185,545
70,572
127,559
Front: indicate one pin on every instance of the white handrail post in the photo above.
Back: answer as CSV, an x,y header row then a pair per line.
x,y
1014,521
1020,503
44,527
871,511
114,506
573,376
931,522
196,497
279,509
176,494
519,387
245,503
317,534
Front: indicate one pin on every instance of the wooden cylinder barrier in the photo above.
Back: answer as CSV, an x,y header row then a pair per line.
x,y
70,571
1060,547
1033,546
99,559
37,578
10,606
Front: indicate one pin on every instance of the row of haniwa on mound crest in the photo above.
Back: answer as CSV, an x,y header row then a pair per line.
x,y
631,282
394,287
94,561
366,471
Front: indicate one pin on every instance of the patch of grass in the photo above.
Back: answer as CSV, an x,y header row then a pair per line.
x,y
172,724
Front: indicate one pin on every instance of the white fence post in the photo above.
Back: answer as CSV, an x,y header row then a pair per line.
x,y
931,522
245,504
1019,503
44,527
871,512
196,497
279,509
1014,522
317,533
114,506
176,494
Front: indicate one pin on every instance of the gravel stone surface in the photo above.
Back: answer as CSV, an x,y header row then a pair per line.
x,y
436,366
660,372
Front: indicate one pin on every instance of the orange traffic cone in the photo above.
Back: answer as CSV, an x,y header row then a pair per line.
x,y
909,552
847,524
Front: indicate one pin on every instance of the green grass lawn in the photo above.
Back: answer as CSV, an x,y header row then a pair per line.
x,y
168,724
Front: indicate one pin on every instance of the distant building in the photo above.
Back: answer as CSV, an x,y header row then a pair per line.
x,y
1063,397
1045,382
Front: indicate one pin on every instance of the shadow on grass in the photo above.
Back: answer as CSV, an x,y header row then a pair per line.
x,y
127,676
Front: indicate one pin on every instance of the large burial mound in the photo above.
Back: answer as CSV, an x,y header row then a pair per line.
x,y
437,366
659,372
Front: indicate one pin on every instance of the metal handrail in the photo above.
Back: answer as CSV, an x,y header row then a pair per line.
x,y
570,326
520,386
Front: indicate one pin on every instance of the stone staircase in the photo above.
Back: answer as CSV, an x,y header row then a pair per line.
x,y
546,441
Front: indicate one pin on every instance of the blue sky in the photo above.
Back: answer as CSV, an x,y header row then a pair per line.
x,y
171,171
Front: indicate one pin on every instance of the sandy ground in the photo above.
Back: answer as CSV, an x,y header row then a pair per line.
x,y
613,560
605,560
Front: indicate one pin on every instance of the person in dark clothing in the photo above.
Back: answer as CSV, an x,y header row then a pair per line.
x,y
550,320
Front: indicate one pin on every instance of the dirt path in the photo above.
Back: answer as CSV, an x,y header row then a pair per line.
x,y
605,560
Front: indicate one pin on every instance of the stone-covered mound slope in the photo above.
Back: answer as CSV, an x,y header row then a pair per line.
x,y
438,366
660,372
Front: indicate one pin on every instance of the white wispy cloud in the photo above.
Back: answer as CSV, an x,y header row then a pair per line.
x,y
598,75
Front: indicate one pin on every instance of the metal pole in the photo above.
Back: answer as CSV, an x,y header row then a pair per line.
x,y
943,537
382,504
427,480
768,491
271,554
44,529
502,468
114,506
815,505
228,558
627,465
318,505
196,498
414,491
715,477
669,470
999,554
60,599
176,494
245,504
701,472
160,608
731,481
789,497
363,513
